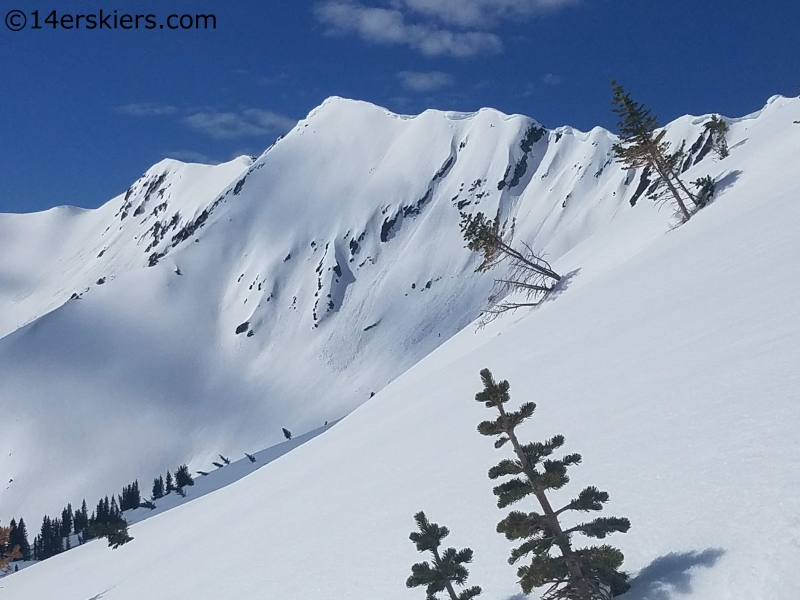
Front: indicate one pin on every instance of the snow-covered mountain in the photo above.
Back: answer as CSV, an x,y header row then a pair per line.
x,y
337,257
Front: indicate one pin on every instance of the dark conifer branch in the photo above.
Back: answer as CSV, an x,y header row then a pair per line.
x,y
447,567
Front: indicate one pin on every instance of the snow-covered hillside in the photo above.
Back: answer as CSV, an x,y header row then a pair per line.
x,y
339,250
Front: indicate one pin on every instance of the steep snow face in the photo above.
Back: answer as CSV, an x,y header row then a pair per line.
x,y
669,362
47,257
213,305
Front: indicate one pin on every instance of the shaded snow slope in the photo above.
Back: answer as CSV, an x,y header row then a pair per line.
x,y
337,258
673,371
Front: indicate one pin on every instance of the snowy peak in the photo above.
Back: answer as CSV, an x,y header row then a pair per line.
x,y
212,305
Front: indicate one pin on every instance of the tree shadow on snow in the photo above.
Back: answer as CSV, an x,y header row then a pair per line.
x,y
727,181
557,290
670,575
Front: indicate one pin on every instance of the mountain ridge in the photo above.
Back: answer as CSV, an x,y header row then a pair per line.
x,y
339,258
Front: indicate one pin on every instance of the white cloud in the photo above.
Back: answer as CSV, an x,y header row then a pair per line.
x,y
389,26
425,82
250,122
551,79
146,109
433,27
480,13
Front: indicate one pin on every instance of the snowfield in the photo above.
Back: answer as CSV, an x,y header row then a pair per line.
x,y
668,358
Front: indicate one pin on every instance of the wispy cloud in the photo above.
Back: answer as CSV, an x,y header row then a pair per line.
x,y
146,109
459,28
250,122
551,79
389,26
480,13
425,82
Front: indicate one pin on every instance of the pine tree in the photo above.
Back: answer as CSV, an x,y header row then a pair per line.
x,y
527,272
717,128
641,146
115,513
286,433
158,487
170,487
116,532
183,477
66,521
80,521
131,497
447,567
19,538
7,554
590,573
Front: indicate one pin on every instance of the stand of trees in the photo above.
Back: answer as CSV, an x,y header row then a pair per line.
x,y
57,535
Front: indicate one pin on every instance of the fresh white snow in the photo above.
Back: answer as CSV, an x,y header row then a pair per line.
x,y
668,359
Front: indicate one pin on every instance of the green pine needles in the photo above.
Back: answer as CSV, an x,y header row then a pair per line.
x,y
590,573
641,145
446,569
717,128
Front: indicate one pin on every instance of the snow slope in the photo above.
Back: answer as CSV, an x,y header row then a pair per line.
x,y
148,369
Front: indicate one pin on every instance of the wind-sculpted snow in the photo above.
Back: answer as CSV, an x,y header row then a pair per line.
x,y
285,291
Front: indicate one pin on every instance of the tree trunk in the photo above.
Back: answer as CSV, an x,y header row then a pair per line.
x,y
542,269
562,540
665,175
448,583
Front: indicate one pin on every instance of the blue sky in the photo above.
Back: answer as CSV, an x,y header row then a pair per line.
x,y
84,112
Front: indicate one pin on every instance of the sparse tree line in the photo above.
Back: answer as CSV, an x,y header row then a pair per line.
x,y
545,537
58,534
641,146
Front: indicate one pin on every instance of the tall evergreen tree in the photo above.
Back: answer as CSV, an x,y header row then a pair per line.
x,y
158,488
66,521
18,537
590,573
115,513
7,552
80,521
717,128
170,487
642,146
446,569
183,477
